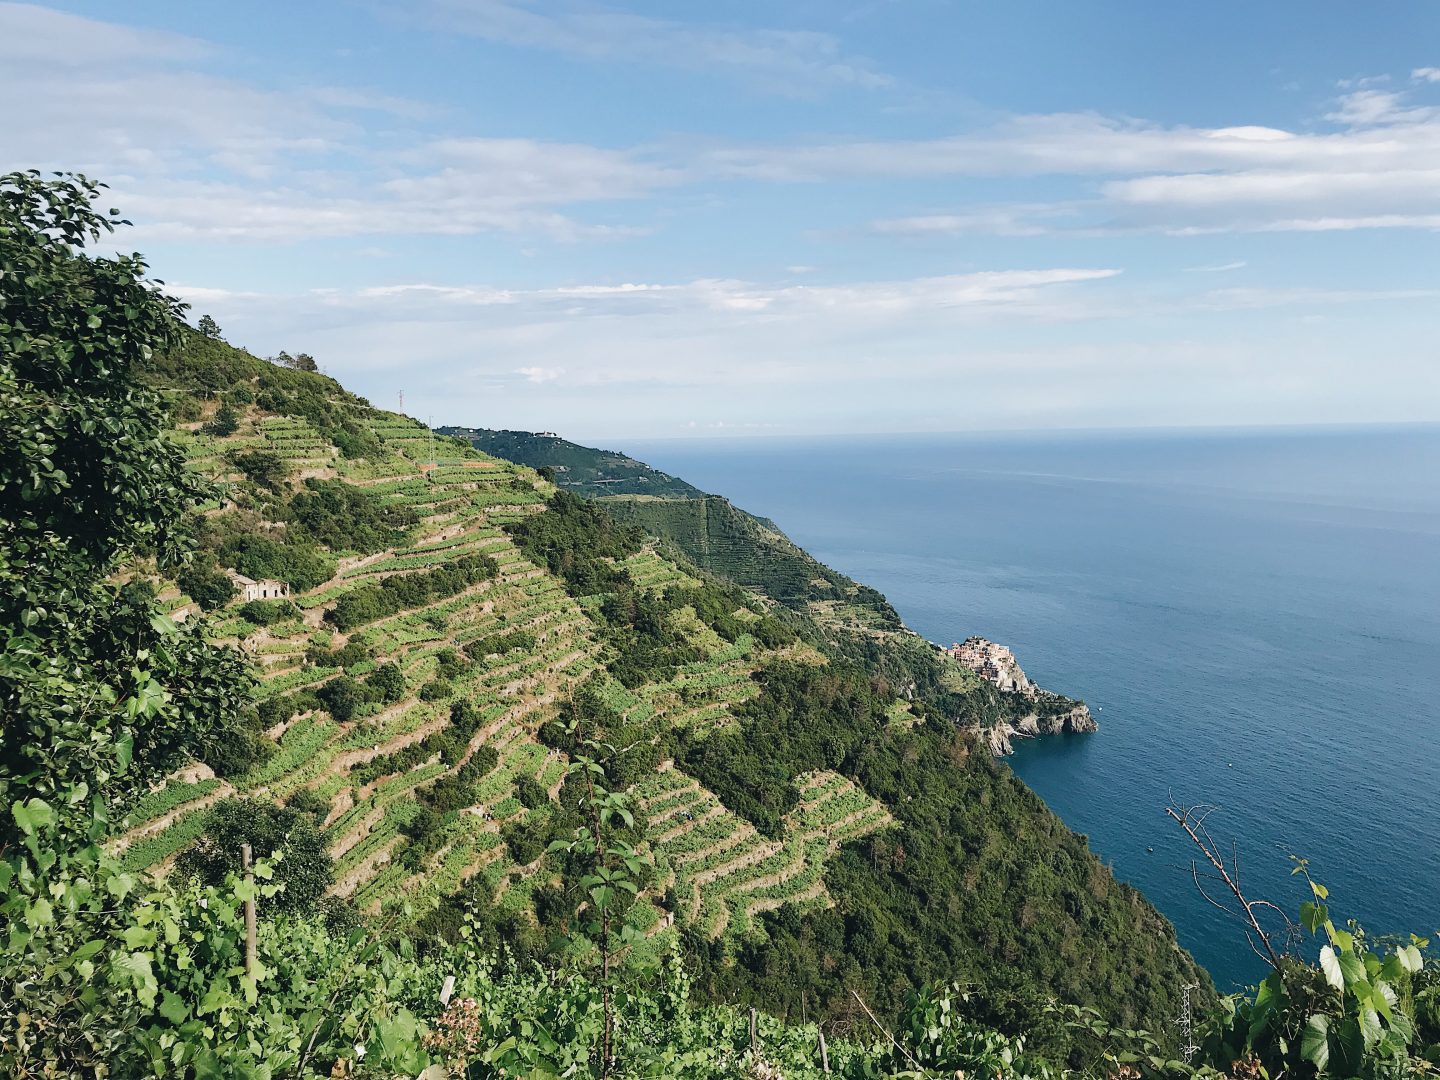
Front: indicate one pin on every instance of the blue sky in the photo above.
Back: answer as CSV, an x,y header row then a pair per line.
x,y
661,219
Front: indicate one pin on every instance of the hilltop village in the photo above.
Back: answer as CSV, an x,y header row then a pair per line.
x,y
1052,714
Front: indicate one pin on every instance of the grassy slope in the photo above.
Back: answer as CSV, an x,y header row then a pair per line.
x,y
1044,898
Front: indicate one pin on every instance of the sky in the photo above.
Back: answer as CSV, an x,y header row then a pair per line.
x,y
661,219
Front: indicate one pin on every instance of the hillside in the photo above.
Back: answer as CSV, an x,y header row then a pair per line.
x,y
807,790
581,469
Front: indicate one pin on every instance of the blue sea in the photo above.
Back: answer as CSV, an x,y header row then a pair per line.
x,y
1253,618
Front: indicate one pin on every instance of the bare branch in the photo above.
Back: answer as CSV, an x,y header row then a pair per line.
x,y
1192,821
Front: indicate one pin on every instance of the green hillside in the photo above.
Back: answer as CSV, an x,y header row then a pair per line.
x,y
582,469
753,552
476,726
498,610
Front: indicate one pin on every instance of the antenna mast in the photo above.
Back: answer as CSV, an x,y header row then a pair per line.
x,y
1187,1038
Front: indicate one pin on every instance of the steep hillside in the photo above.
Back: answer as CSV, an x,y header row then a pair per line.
x,y
814,818
581,469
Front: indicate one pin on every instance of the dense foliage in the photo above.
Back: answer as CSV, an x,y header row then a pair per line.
x,y
101,693
286,836
344,517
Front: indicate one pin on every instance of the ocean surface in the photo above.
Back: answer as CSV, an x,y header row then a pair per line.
x,y
1253,618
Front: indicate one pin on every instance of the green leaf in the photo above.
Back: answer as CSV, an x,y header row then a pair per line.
x,y
137,970
173,1008
1315,1041
1354,969
1330,965
1410,958
1370,1029
39,914
32,815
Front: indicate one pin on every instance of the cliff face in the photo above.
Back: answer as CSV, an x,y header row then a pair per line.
x,y
1072,721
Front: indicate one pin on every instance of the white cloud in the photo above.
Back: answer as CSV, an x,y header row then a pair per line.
x,y
1219,268
191,155
540,375
1365,108
789,62
1426,74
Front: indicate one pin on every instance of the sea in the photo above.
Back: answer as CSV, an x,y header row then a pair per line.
x,y
1252,616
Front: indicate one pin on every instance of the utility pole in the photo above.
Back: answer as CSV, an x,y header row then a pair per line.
x,y
249,910
1187,1039
402,402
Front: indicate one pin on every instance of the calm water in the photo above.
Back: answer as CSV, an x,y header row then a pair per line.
x,y
1253,618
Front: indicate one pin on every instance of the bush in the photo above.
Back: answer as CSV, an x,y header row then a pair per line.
x,y
225,421
531,794
387,681
526,844
308,801
299,564
238,753
436,690
343,696
265,612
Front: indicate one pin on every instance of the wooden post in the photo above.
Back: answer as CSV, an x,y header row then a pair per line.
x,y
446,990
824,1053
249,910
752,1029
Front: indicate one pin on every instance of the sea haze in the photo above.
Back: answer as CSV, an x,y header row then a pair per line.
x,y
1254,619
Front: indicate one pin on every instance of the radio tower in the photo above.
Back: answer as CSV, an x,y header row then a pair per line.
x,y
1187,1038
402,402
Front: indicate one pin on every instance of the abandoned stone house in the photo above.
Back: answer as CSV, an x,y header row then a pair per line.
x,y
250,589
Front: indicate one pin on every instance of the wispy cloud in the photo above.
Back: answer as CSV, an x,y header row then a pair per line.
x,y
788,62
1218,268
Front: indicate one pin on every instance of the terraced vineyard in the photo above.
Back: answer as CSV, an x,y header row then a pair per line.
x,y
372,766
724,872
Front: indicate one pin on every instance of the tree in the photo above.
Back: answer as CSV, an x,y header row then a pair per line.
x,y
298,362
303,869
206,585
263,467
225,421
102,694
209,327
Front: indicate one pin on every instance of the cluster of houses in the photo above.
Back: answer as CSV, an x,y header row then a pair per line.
x,y
994,663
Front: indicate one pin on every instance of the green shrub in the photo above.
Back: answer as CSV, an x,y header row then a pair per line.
x,y
531,794
265,612
388,681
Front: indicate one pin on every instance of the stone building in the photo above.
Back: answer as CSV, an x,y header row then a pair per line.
x,y
250,589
